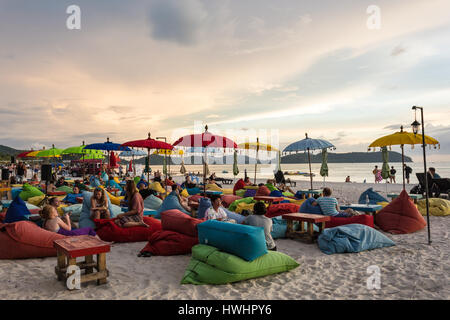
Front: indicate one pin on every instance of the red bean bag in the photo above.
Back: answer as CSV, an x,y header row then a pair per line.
x,y
263,191
2,216
281,208
168,243
361,219
24,239
228,199
177,221
240,184
195,198
400,216
107,230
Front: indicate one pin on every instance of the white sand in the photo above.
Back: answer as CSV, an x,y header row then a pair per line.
x,y
410,270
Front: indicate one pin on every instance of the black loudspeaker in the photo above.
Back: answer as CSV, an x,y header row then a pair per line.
x,y
13,159
46,172
5,174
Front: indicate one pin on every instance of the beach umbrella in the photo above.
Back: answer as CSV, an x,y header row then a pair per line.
x,y
50,153
205,140
324,166
107,146
385,168
183,168
235,164
149,144
309,145
24,154
401,138
257,146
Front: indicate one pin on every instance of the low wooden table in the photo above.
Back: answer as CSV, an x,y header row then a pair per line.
x,y
310,219
70,248
6,191
415,197
268,199
371,209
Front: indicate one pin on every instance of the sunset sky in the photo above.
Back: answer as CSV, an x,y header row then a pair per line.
x,y
253,66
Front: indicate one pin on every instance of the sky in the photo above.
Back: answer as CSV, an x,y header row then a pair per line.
x,y
266,68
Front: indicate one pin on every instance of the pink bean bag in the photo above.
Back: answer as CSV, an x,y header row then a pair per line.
x,y
228,199
263,191
240,184
107,230
361,219
195,198
177,221
169,243
24,239
278,209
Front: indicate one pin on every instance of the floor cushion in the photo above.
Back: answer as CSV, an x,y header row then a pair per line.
x,y
279,209
85,216
352,238
203,205
271,187
107,230
228,199
195,198
209,265
247,242
239,218
169,243
29,191
184,193
250,193
307,207
400,216
65,189
157,187
24,239
169,203
235,203
36,200
152,202
193,191
263,191
276,193
364,219
75,211
240,184
175,220
244,206
437,207
288,194
374,197
17,211
213,187
114,200
279,227
15,192
240,192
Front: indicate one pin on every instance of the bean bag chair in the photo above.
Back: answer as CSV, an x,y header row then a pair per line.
x,y
157,187
213,187
114,200
85,216
17,211
193,191
250,193
271,187
279,209
240,184
296,201
383,204
152,202
437,207
15,192
184,193
210,265
227,191
169,243
299,195
24,239
251,187
263,191
36,200
150,212
235,203
276,193
400,216
169,203
364,219
107,230
195,198
203,205
352,238
244,241
239,218
240,193
307,207
244,206
279,227
137,180
29,192
374,197
75,211
70,198
287,194
228,199
65,189
175,220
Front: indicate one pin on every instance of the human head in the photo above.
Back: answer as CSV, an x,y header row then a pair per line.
x,y
432,170
99,194
130,187
216,201
54,202
326,192
392,167
76,190
49,212
174,187
259,208
376,167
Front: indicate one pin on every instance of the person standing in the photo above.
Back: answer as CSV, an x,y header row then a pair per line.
x,y
20,172
392,173
408,171
377,173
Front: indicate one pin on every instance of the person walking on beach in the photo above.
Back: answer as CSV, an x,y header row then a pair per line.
x,y
258,219
377,173
330,207
408,171
392,173
135,214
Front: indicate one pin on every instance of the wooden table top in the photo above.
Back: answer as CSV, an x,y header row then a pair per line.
x,y
306,217
81,246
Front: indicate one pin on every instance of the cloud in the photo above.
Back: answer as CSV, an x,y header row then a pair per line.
x,y
398,50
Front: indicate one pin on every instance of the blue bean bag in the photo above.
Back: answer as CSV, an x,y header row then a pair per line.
x,y
169,203
276,193
299,195
85,216
72,198
239,218
17,211
244,241
15,192
193,191
250,193
352,238
203,205
113,184
307,207
374,197
152,202
279,226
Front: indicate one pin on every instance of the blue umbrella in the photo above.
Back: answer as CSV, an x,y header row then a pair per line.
x,y
308,144
107,146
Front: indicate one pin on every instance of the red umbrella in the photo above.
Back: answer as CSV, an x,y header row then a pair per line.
x,y
24,154
205,140
149,144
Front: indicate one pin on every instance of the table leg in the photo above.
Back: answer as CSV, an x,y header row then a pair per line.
x,y
89,259
101,266
290,226
61,262
322,227
310,229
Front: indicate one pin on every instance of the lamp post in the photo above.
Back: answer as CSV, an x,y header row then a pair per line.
x,y
165,156
415,127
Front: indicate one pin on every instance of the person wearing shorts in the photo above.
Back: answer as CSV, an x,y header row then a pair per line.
x,y
134,217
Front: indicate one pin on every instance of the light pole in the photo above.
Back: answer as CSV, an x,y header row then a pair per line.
x,y
165,159
415,127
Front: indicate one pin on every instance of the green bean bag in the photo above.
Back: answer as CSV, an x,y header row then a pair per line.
x,y
29,192
65,189
240,192
235,203
271,187
288,194
208,265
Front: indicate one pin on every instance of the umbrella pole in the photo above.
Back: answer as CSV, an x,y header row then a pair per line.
x,y
148,171
204,173
403,166
310,171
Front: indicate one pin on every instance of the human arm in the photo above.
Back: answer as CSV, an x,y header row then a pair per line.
x,y
66,224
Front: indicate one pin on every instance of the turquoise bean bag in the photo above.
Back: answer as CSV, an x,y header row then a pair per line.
x,y
169,203
85,216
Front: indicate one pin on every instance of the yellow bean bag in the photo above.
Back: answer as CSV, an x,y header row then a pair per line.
x,y
156,186
36,200
295,201
383,203
184,193
115,200
116,180
60,210
251,187
227,191
213,187
244,206
438,207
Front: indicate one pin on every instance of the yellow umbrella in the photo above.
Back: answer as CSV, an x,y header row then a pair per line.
x,y
33,153
401,138
169,152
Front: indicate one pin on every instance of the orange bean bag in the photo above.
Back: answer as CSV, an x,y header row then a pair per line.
x,y
169,243
263,191
107,230
400,216
24,239
279,209
360,219
228,199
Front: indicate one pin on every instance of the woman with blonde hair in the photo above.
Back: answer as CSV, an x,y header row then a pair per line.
x,y
135,214
99,205
52,222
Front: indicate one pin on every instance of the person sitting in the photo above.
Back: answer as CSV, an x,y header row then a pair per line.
x,y
211,181
216,211
61,182
135,214
330,207
54,202
248,182
157,177
258,219
52,222
81,186
433,173
35,178
99,205
145,191
50,187
183,202
169,181
95,181
284,188
111,183
347,179
188,183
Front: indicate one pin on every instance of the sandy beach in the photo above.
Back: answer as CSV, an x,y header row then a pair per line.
x,y
410,270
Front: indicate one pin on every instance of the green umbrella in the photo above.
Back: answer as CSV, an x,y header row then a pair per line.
x,y
94,156
50,153
385,169
235,164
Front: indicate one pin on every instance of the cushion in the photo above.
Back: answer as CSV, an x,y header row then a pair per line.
x,y
279,227
307,207
288,194
250,193
364,219
209,265
271,187
114,200
352,238
239,218
240,184
279,209
263,191
240,192
175,220
85,216
195,198
169,203
227,191
234,205
157,187
213,187
276,193
400,216
65,189
228,199
203,205
70,198
152,202
437,207
184,193
244,206
15,192
193,191
247,242
169,243
107,230
29,191
374,197
25,239
75,210
36,200
17,211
